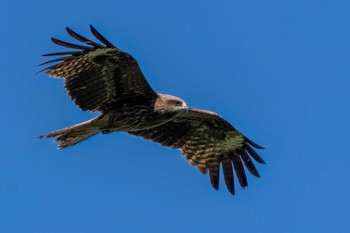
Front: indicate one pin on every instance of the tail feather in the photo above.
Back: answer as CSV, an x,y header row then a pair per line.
x,y
74,134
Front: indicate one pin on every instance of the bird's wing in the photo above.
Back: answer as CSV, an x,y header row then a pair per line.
x,y
207,140
97,75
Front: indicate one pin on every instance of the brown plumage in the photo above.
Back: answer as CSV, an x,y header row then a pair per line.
x,y
105,79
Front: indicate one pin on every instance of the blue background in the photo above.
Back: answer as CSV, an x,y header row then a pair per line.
x,y
277,70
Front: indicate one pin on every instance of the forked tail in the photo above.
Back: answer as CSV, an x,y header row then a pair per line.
x,y
74,134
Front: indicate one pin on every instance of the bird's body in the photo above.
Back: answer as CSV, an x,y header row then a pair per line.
x,y
133,116
105,79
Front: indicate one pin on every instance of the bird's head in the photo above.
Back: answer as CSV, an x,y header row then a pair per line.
x,y
169,103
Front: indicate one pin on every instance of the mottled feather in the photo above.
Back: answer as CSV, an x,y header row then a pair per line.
x,y
207,140
97,75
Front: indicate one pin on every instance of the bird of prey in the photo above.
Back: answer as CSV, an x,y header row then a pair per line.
x,y
101,77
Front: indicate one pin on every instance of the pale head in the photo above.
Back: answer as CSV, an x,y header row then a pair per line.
x,y
168,103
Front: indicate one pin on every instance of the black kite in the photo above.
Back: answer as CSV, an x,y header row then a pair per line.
x,y
101,77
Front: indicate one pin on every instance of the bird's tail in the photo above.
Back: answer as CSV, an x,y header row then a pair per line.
x,y
74,134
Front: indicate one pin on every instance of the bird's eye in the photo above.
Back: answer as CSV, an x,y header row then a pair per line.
x,y
178,103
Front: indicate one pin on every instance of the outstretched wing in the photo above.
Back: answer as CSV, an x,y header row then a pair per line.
x,y
207,140
97,75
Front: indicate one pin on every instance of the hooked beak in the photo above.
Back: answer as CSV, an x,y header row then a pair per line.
x,y
185,107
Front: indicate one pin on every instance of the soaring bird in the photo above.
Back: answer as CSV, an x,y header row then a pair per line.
x,y
103,78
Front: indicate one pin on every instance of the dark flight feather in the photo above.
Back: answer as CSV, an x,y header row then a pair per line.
x,y
249,164
238,166
228,174
254,144
83,39
101,38
54,60
214,172
255,156
70,45
97,76
210,147
72,53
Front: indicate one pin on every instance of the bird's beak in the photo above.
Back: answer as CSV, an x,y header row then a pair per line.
x,y
185,107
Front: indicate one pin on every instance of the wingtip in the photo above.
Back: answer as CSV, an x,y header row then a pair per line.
x,y
92,28
257,175
231,190
254,144
42,70
101,38
69,30
214,181
56,41
255,155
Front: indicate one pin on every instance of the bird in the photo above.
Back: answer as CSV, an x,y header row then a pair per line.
x,y
100,77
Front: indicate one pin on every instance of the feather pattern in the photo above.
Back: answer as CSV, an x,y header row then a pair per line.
x,y
96,76
207,140
228,174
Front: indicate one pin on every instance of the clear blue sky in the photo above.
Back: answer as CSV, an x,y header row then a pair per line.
x,y
277,70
